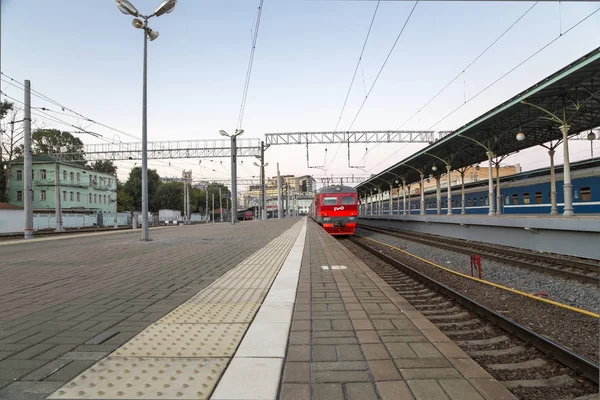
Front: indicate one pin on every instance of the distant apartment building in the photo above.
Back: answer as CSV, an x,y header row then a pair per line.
x,y
80,189
297,184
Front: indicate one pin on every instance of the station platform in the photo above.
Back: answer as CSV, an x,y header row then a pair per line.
x,y
260,310
574,236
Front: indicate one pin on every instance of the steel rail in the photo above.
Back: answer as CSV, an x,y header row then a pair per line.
x,y
579,364
528,260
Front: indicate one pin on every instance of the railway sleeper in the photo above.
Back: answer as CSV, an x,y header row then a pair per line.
x,y
496,352
561,380
535,363
483,342
445,310
446,325
448,317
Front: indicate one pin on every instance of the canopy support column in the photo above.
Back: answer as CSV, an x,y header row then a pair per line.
x,y
462,192
491,211
554,208
567,186
449,190
422,194
438,194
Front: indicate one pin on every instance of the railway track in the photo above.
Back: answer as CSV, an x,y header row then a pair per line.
x,y
566,267
528,364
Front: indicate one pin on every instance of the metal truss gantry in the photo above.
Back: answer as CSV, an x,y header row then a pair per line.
x,y
164,150
351,137
354,137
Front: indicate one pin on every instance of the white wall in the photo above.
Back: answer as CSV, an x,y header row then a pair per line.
x,y
12,221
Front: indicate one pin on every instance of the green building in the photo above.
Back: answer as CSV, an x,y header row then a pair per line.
x,y
80,189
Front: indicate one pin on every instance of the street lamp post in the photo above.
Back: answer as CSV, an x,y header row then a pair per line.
x,y
233,137
127,8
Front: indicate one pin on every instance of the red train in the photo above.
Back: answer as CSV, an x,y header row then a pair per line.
x,y
335,209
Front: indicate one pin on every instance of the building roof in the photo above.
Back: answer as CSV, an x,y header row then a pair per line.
x,y
6,206
48,159
571,90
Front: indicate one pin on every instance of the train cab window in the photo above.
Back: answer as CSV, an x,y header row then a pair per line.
x,y
538,197
526,199
347,200
515,198
330,201
585,194
507,199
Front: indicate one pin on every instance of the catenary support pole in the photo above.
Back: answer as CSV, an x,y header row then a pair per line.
x,y
220,205
263,200
279,199
58,202
115,206
213,208
28,168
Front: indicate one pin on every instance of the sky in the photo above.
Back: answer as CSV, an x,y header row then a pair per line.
x,y
87,56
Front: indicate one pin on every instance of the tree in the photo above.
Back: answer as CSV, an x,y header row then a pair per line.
x,y
105,166
50,141
10,135
169,196
133,187
124,199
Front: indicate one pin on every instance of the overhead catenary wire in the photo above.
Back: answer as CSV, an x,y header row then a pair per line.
x,y
497,80
515,67
42,96
376,78
249,69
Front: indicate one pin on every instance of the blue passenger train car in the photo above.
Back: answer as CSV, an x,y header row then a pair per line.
x,y
523,193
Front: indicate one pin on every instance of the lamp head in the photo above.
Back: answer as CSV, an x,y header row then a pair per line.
x,y
152,35
256,164
223,133
239,132
520,136
477,167
165,7
591,136
137,23
434,168
127,8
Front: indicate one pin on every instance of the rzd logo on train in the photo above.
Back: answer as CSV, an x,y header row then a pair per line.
x,y
338,208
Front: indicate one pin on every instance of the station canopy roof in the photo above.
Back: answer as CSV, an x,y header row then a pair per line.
x,y
571,94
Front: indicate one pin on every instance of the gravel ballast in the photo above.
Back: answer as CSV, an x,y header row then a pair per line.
x,y
569,292
573,330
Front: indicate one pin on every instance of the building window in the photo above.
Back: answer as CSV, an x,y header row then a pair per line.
x,y
526,199
487,201
65,195
468,202
72,176
42,174
42,195
71,196
109,182
515,198
64,175
95,198
78,197
585,194
507,199
90,181
19,195
90,199
19,175
538,197
78,177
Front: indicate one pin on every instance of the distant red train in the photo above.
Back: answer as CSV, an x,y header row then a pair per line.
x,y
335,209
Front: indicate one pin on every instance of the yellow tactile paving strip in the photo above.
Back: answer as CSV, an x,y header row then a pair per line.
x,y
183,354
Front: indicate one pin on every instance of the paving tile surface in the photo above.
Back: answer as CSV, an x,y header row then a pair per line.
x,y
364,341
92,294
